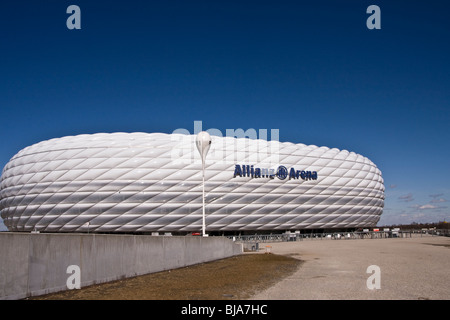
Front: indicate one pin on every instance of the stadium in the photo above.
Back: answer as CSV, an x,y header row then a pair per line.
x,y
152,183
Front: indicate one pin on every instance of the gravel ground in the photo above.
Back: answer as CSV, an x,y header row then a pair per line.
x,y
410,269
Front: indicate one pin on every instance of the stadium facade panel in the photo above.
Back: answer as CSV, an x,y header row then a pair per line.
x,y
152,182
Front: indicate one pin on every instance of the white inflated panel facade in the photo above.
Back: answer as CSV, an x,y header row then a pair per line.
x,y
148,182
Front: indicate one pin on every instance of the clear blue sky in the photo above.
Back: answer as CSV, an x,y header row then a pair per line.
x,y
311,69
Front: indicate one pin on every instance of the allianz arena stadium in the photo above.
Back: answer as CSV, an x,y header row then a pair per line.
x,y
152,182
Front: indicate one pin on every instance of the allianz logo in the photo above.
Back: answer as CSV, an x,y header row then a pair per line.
x,y
281,173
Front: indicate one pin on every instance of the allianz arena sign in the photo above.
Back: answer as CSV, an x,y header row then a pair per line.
x,y
281,173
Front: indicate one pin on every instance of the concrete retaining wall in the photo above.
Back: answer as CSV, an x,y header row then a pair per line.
x,y
35,264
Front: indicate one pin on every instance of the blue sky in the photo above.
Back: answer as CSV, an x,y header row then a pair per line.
x,y
311,69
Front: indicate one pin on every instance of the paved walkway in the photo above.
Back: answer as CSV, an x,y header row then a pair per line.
x,y
410,268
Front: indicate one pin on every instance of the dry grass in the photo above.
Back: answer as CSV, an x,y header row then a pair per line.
x,y
232,278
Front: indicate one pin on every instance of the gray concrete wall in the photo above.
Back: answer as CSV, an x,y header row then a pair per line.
x,y
35,264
